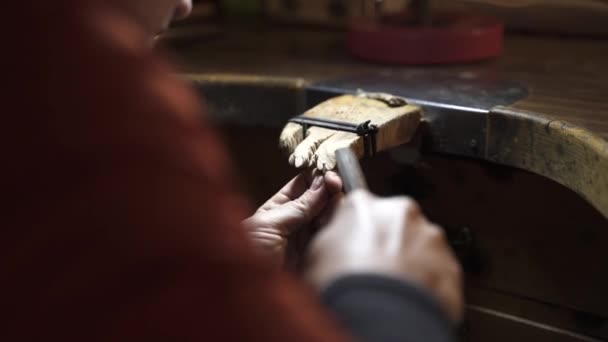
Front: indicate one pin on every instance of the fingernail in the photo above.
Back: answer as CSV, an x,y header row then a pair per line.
x,y
317,183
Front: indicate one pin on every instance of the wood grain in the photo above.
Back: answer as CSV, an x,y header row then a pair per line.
x,y
567,77
567,81
568,154
316,146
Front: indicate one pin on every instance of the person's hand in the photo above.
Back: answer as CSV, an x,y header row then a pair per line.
x,y
308,199
389,237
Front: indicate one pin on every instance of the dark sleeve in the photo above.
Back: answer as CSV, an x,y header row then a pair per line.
x,y
378,308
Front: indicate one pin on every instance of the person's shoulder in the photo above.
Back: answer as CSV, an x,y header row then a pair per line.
x,y
101,54
85,65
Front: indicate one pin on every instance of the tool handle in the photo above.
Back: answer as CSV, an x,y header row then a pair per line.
x,y
350,170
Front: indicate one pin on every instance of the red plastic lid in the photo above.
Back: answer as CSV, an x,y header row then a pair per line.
x,y
457,37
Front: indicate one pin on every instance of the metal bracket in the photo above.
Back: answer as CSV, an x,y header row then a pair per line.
x,y
365,130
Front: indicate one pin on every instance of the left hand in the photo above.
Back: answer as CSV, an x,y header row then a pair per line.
x,y
306,200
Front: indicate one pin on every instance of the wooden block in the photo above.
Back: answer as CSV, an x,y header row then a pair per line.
x,y
395,119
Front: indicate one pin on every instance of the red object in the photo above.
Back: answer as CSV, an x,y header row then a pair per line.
x,y
456,37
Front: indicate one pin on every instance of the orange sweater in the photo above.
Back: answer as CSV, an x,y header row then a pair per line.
x,y
119,221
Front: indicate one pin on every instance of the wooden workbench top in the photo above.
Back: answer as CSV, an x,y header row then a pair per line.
x,y
567,76
557,126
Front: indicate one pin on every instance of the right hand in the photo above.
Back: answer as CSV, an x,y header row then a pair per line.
x,y
389,237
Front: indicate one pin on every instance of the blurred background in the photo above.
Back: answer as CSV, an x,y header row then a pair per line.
x,y
540,16
514,157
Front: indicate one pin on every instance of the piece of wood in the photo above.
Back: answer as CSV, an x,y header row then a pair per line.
x,y
569,77
569,155
317,146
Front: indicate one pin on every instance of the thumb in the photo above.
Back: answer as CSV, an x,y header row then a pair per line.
x,y
305,208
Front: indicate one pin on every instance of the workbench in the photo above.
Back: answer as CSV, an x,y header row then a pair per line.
x,y
525,134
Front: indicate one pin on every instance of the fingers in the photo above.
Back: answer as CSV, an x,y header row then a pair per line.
x,y
268,240
271,245
297,204
329,210
287,214
305,208
292,190
302,182
387,236
333,183
310,196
